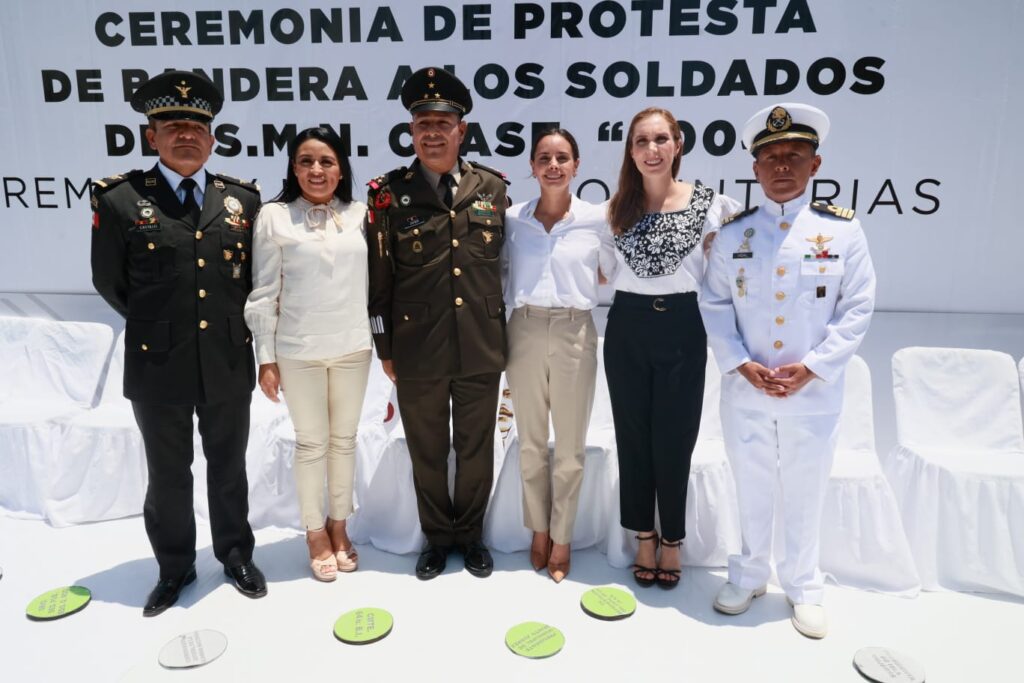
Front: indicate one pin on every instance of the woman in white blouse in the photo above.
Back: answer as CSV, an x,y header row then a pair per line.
x,y
307,311
554,246
655,348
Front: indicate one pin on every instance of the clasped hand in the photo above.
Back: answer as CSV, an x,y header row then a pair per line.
x,y
781,382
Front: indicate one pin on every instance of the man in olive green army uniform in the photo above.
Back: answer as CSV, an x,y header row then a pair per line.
x,y
435,231
171,251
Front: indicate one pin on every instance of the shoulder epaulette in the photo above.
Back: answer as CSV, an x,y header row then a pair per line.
x,y
382,180
493,171
737,216
833,210
254,186
104,184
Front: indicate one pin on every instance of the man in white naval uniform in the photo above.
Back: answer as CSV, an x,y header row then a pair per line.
x,y
787,299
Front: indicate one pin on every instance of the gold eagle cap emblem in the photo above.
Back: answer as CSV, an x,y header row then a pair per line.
x,y
779,120
183,89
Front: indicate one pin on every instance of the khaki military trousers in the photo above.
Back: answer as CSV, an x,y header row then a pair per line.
x,y
551,371
325,400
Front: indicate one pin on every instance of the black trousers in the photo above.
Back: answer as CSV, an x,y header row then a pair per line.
x,y
474,408
168,513
655,352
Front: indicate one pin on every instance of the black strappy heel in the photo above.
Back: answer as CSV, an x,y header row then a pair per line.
x,y
639,569
660,574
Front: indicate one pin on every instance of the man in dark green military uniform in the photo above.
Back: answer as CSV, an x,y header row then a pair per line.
x,y
435,232
171,251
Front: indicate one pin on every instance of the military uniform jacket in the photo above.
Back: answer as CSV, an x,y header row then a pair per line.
x,y
435,298
786,284
181,287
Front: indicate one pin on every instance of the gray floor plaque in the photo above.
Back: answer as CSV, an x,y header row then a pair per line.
x,y
882,665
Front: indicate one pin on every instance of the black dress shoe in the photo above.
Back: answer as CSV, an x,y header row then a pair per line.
x,y
249,580
478,559
432,561
166,593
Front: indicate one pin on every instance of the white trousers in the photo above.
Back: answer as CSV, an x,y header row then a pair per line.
x,y
325,399
789,458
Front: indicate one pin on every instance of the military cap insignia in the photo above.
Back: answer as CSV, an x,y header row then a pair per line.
x,y
737,216
833,210
778,120
183,89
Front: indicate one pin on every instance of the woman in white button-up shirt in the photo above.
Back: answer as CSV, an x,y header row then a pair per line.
x,y
554,246
307,311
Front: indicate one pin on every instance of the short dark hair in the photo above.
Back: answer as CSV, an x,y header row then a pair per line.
x,y
291,190
561,132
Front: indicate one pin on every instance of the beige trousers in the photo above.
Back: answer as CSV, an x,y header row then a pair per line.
x,y
325,400
551,369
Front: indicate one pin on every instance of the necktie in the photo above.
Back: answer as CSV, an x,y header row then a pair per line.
x,y
191,207
447,181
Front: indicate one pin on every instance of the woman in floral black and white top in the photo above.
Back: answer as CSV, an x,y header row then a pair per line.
x,y
655,346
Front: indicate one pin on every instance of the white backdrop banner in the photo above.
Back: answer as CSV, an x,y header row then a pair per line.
x,y
922,96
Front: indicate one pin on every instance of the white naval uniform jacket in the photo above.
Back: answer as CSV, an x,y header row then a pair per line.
x,y
787,304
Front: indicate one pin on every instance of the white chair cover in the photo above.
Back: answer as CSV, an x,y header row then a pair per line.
x,y
51,370
958,467
863,544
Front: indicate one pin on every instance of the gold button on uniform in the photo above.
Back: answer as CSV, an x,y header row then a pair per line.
x,y
821,269
779,320
784,225
458,301
199,234
239,245
203,324
777,344
455,244
457,272
415,232
202,293
151,246
780,271
452,214
201,262
779,296
145,347
488,221
405,317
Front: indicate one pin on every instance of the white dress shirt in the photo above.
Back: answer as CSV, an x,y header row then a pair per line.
x,y
174,179
690,273
556,269
308,299
771,296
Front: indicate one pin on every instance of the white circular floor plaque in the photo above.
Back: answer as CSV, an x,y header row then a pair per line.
x,y
193,649
882,665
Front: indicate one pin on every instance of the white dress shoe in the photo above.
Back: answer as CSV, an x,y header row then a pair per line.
x,y
810,620
732,599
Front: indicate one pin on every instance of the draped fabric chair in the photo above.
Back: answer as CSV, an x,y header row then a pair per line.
x,y
958,467
863,544
51,372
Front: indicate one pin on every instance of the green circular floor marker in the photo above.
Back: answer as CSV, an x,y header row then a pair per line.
x,y
60,602
608,603
534,640
363,626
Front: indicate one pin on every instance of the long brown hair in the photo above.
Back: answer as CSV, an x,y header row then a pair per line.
x,y
627,204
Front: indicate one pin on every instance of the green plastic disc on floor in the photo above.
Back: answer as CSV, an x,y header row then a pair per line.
x,y
60,602
534,640
363,626
608,603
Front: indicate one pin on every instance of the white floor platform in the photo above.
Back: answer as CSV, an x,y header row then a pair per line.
x,y
452,628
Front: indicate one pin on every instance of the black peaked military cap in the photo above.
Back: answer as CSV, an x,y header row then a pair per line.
x,y
178,95
434,89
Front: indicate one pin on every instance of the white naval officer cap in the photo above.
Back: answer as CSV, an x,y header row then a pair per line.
x,y
786,121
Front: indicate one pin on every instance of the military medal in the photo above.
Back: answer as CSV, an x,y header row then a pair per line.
x,y
741,283
744,250
819,248
483,206
417,246
236,271
228,254
235,220
380,244
488,236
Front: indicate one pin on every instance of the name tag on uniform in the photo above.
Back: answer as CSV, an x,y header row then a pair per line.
x,y
821,292
412,222
743,254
